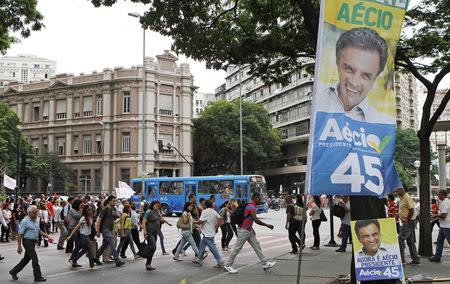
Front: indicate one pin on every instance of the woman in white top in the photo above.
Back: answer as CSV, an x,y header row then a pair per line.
x,y
227,231
185,225
84,225
43,222
315,218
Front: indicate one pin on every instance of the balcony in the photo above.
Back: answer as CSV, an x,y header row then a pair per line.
x,y
165,112
61,115
87,113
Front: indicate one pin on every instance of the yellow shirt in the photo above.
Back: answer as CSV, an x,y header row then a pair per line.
x,y
406,203
127,224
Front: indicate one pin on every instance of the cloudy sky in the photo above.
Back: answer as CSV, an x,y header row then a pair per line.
x,y
82,38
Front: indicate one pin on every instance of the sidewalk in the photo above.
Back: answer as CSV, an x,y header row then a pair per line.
x,y
319,267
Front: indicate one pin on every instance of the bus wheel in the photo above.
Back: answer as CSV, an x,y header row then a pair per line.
x,y
165,210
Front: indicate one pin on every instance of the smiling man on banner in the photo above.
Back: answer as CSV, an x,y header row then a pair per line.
x,y
361,56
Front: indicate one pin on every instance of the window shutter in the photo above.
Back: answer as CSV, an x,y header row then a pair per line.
x,y
46,108
87,104
61,106
76,105
165,102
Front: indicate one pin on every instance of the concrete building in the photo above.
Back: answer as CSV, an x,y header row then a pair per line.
x,y
289,111
25,69
407,90
95,121
200,101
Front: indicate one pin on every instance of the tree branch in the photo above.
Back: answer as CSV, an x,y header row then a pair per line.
x,y
311,19
438,111
441,75
223,13
413,69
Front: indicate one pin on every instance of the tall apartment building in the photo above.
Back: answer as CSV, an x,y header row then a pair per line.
x,y
289,111
25,69
95,122
200,101
407,90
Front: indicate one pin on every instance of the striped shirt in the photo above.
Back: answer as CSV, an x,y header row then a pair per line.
x,y
247,224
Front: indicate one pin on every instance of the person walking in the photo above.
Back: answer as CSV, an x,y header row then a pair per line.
x,y
73,218
247,234
434,211
105,226
210,221
186,228
315,220
70,200
345,224
59,222
134,229
294,218
161,235
393,211
43,217
85,227
29,232
3,224
444,222
407,216
151,224
227,231
125,230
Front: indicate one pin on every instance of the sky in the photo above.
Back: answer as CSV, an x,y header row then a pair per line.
x,y
82,38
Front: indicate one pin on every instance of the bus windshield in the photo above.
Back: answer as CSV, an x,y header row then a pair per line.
x,y
259,187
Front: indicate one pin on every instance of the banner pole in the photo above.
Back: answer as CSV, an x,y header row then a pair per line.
x,y
302,239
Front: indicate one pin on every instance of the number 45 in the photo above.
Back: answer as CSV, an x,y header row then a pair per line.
x,y
354,178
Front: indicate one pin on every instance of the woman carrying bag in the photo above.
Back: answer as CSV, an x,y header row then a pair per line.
x,y
125,230
316,220
185,225
151,225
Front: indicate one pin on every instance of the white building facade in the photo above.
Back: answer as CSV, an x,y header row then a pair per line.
x,y
200,101
25,69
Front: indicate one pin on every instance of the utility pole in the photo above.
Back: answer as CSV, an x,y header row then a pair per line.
x,y
18,167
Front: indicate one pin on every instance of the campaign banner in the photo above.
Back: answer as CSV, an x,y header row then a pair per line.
x,y
353,111
376,249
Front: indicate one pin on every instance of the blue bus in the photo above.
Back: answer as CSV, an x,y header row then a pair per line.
x,y
173,192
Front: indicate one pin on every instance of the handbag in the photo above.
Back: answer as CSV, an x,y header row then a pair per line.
x,y
323,218
338,211
144,249
183,226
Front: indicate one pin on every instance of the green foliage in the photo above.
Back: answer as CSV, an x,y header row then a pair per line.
x,y
50,168
18,16
8,138
405,174
217,143
407,150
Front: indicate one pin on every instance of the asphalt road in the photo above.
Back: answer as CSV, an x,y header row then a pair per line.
x,y
54,264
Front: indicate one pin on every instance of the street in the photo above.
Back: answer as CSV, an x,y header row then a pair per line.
x,y
274,243
55,267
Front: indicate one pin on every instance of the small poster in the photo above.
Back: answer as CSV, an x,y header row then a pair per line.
x,y
377,253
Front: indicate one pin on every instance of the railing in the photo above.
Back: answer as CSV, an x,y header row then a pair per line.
x,y
87,113
61,115
165,112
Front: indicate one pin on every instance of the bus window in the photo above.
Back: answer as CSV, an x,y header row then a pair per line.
x,y
137,187
226,187
245,191
190,189
151,191
239,190
209,187
164,187
177,188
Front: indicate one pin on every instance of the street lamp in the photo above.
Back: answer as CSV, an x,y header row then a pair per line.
x,y
170,146
240,117
144,98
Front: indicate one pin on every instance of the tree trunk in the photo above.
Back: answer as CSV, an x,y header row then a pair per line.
x,y
425,242
361,208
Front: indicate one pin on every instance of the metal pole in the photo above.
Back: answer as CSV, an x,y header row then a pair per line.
x,y
18,167
240,117
144,107
85,185
302,239
332,242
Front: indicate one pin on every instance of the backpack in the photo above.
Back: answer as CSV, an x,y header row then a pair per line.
x,y
338,211
298,213
238,216
117,225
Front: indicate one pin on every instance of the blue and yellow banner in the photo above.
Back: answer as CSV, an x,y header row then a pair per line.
x,y
376,250
353,114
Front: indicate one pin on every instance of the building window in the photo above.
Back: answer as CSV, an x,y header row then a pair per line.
x,y
61,109
24,75
36,66
125,175
60,145
35,145
45,144
46,76
98,143
126,142
13,74
87,106
46,110
87,144
36,112
75,143
85,179
165,104
166,139
126,101
76,107
99,105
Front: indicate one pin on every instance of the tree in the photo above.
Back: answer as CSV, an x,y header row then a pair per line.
x,y
18,16
406,153
52,170
273,36
217,139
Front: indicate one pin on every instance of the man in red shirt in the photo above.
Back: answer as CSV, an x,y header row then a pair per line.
x,y
393,210
434,211
247,234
